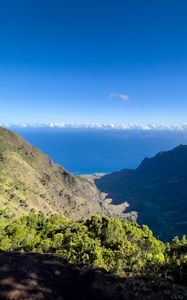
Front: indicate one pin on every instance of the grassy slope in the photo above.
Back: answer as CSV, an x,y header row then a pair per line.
x,y
30,180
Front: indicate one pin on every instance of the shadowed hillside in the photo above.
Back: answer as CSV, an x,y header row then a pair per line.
x,y
157,190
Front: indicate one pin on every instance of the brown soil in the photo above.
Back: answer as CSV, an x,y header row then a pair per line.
x,y
38,277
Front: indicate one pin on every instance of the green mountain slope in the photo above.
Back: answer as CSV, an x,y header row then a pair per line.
x,y
30,180
157,190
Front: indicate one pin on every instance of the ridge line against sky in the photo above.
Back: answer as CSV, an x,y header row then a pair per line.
x,y
122,126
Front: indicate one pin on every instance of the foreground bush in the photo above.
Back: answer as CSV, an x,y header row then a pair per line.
x,y
98,242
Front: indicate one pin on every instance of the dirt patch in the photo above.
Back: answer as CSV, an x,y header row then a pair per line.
x,y
37,277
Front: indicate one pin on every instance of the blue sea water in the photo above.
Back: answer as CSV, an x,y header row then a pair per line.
x,y
86,151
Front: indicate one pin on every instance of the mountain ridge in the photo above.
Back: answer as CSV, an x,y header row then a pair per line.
x,y
166,161
30,180
156,189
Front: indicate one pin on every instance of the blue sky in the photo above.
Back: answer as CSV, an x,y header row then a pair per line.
x,y
121,61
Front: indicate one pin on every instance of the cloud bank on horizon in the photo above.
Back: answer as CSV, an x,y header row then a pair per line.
x,y
122,126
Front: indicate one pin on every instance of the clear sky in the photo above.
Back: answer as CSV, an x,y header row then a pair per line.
x,y
93,61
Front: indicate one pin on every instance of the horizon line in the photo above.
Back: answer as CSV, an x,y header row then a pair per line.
x,y
95,125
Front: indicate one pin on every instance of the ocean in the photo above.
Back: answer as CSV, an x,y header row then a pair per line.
x,y
87,151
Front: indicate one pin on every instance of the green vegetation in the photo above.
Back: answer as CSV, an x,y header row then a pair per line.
x,y
99,242
30,180
156,190
30,183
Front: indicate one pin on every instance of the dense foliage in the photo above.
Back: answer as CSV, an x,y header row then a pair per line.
x,y
98,242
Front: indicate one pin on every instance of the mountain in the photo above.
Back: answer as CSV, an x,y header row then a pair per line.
x,y
157,190
29,180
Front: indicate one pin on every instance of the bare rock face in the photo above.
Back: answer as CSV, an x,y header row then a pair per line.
x,y
29,180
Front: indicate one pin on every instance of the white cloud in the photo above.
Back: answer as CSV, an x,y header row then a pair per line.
x,y
118,126
121,96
